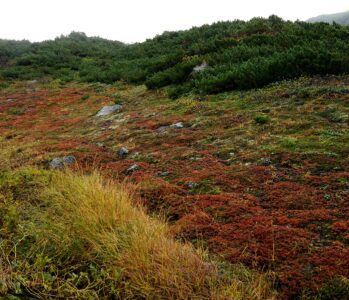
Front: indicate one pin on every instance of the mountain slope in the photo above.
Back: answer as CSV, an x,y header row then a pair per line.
x,y
339,18
258,177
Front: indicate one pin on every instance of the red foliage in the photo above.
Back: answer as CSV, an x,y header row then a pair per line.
x,y
277,217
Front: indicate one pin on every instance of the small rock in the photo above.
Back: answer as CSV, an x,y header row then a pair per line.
x,y
69,160
59,163
10,100
123,152
195,158
150,115
192,184
162,174
178,125
162,128
201,67
30,82
107,110
132,169
265,162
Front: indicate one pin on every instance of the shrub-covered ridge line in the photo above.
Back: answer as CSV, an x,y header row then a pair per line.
x,y
224,56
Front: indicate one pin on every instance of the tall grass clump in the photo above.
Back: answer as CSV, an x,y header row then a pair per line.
x,y
80,237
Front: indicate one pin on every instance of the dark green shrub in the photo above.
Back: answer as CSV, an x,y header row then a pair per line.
x,y
85,97
16,111
262,119
335,289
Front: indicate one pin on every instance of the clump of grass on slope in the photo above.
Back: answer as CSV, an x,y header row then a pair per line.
x,y
13,154
72,236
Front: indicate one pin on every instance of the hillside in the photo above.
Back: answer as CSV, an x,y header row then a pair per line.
x,y
234,55
211,163
256,177
339,18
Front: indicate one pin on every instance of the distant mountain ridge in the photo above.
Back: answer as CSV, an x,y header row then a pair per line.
x,y
340,18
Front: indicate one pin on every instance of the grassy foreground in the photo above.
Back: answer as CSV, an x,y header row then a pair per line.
x,y
65,235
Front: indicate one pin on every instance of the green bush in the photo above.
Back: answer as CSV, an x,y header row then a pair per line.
x,y
262,119
85,97
335,289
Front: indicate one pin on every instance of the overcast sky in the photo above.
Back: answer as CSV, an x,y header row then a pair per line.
x,y
136,20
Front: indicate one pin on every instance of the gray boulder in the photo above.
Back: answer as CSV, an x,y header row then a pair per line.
x,y
107,110
178,125
123,152
59,163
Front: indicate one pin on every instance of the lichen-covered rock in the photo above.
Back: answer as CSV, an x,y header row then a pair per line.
x,y
107,110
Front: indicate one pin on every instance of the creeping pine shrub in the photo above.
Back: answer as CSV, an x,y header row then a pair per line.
x,y
262,119
335,289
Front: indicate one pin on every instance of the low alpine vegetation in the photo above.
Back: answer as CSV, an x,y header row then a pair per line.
x,y
65,235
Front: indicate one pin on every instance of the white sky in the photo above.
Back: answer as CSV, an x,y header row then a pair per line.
x,y
135,20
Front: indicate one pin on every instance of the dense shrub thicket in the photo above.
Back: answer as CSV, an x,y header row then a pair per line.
x,y
239,55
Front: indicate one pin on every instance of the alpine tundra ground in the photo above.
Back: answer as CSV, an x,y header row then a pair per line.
x,y
258,177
